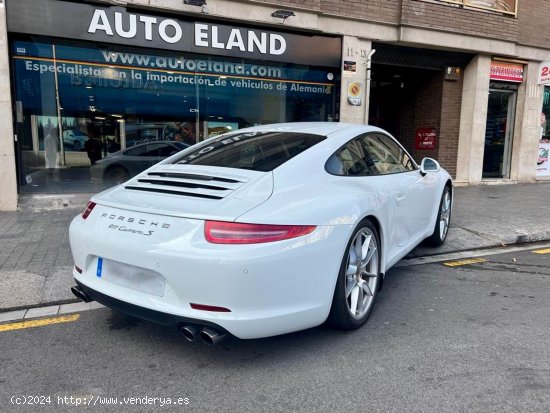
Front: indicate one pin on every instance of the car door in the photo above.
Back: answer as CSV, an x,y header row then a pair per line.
x,y
158,151
410,190
358,173
146,155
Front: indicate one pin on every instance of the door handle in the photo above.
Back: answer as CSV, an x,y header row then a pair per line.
x,y
399,198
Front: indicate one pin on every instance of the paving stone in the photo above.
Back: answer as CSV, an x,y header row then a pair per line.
x,y
58,285
20,289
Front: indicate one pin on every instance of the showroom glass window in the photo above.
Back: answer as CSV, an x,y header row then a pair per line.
x,y
81,102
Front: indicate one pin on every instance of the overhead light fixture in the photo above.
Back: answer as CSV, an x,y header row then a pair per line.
x,y
283,14
198,3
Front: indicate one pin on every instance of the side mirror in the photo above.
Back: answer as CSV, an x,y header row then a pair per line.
x,y
429,165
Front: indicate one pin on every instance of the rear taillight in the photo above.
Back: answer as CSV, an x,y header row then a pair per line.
x,y
218,232
88,210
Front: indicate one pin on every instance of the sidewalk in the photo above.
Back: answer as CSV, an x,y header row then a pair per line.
x,y
36,264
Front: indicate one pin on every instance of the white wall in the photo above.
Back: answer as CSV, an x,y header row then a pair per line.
x,y
8,182
354,50
473,118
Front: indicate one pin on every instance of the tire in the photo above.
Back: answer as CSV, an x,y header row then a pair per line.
x,y
443,220
117,175
361,282
77,145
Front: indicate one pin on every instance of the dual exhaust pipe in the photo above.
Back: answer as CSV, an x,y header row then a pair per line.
x,y
81,294
191,332
209,335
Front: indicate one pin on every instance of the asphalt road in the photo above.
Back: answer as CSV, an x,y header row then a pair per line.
x,y
473,338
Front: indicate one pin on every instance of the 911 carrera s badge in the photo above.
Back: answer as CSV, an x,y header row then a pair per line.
x,y
130,230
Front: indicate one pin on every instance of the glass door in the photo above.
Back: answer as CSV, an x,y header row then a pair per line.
x,y
498,133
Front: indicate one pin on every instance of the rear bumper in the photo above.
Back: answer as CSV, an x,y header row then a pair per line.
x,y
270,289
158,317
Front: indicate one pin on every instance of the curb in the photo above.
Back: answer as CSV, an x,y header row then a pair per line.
x,y
40,305
54,202
512,237
527,237
45,311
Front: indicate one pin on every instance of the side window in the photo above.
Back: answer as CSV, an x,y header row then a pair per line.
x,y
387,155
136,151
167,150
153,149
351,160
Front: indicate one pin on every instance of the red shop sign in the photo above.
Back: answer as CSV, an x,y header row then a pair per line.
x,y
509,72
425,139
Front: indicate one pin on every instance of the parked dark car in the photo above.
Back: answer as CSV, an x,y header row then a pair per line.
x,y
122,165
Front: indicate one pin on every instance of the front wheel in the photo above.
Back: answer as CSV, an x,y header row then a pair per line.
x,y
117,175
358,280
443,220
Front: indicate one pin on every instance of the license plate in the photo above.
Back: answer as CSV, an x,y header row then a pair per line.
x,y
130,276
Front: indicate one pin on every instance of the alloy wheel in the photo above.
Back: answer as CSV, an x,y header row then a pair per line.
x,y
362,269
445,215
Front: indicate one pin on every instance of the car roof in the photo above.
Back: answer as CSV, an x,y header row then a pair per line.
x,y
168,143
150,142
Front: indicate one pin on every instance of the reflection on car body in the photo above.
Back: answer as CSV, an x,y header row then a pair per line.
x,y
75,138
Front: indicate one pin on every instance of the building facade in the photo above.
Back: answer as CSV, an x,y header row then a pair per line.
x,y
461,81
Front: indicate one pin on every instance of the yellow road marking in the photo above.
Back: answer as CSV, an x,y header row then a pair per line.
x,y
39,323
544,251
464,262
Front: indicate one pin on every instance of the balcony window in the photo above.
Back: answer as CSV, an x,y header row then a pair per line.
x,y
499,6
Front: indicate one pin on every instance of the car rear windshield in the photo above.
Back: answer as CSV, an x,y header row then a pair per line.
x,y
257,151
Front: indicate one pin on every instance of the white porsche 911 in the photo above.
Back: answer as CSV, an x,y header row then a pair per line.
x,y
262,231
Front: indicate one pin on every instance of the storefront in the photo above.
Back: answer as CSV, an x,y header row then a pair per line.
x,y
414,96
543,161
501,114
138,79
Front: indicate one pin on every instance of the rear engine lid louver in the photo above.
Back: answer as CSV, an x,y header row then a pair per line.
x,y
205,186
